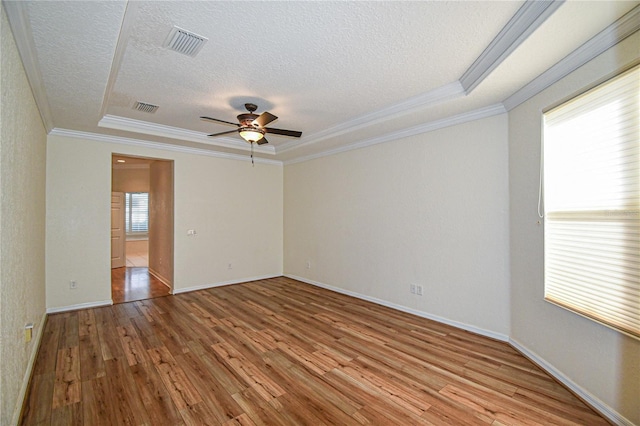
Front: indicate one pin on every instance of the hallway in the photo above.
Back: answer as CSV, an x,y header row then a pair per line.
x,y
134,282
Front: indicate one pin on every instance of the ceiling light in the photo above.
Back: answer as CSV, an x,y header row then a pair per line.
x,y
251,134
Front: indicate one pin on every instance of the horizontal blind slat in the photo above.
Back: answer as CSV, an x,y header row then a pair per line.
x,y
592,203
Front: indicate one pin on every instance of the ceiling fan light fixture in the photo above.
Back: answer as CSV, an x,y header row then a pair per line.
x,y
251,134
251,127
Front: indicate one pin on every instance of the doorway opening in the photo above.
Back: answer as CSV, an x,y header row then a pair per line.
x,y
141,228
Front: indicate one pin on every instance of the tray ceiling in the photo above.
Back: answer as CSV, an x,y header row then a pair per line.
x,y
345,73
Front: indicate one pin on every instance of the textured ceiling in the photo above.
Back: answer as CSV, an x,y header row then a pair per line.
x,y
344,73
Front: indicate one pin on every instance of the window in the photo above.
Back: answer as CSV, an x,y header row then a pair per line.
x,y
592,202
136,213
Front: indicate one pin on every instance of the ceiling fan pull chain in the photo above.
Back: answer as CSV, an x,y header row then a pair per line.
x,y
252,163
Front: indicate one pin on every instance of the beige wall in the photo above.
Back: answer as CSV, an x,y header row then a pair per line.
x,y
78,234
603,362
128,179
235,209
435,210
161,221
22,227
430,210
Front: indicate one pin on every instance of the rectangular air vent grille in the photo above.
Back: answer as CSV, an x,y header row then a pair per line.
x,y
145,107
185,42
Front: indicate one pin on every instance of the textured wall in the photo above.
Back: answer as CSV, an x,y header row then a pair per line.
x,y
22,221
161,221
130,179
235,209
430,210
78,222
601,361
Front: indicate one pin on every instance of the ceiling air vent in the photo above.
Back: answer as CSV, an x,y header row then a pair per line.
x,y
144,107
185,42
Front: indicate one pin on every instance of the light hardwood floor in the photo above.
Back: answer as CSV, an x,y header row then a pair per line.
x,y
137,253
134,282
280,352
131,284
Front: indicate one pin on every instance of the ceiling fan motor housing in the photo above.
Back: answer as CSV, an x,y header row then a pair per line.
x,y
246,120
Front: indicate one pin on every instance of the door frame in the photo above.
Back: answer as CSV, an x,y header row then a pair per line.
x,y
120,233
170,191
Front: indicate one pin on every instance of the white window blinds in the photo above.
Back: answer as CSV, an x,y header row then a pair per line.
x,y
592,203
137,212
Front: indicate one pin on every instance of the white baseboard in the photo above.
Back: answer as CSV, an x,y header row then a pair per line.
x,y
80,306
612,415
463,326
223,283
27,374
159,276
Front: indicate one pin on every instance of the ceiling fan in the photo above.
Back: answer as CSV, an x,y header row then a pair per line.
x,y
252,128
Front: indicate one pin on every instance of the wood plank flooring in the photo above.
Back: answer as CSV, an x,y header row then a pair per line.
x,y
131,284
280,352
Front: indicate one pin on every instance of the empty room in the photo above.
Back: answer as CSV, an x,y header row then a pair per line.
x,y
320,212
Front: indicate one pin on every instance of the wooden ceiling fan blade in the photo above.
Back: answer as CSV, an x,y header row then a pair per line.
x,y
282,132
220,121
223,133
262,141
264,119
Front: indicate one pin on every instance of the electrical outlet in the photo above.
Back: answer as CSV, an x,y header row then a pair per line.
x,y
412,288
229,266
28,332
419,290
308,264
73,285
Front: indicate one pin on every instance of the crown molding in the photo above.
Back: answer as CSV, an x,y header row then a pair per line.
x,y
410,131
130,14
428,99
156,145
147,128
605,39
18,16
526,20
